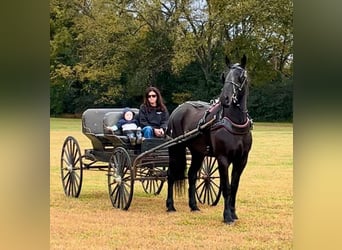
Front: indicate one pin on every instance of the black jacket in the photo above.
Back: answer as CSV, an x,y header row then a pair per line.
x,y
149,116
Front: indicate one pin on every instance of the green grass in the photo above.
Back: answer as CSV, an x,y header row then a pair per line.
x,y
65,124
264,204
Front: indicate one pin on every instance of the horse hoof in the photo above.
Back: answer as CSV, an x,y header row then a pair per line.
x,y
231,223
234,216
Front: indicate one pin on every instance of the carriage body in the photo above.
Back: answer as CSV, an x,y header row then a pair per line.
x,y
96,125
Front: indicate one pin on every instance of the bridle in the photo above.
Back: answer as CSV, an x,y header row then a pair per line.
x,y
237,87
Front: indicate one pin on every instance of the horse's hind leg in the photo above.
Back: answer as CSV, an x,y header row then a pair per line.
x,y
196,163
169,200
170,180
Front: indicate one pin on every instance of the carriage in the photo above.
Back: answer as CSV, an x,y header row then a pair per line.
x,y
126,163
217,136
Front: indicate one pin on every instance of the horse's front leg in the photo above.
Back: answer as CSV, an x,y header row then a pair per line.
x,y
237,170
226,190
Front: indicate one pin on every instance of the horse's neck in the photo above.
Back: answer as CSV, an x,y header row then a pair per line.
x,y
235,114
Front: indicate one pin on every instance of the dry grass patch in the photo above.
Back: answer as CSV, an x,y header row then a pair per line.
x,y
264,204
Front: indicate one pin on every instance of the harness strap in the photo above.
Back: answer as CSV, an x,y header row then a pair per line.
x,y
206,113
238,129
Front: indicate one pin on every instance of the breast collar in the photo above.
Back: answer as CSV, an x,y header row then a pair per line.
x,y
238,129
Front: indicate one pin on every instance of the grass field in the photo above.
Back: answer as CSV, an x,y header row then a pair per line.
x,y
264,204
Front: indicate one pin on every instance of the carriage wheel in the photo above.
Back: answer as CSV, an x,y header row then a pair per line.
x,y
120,179
153,185
208,182
71,167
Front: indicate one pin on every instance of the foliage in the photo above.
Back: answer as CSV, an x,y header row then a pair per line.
x,y
105,53
272,102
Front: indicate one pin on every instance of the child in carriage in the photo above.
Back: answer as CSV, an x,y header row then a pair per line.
x,y
130,127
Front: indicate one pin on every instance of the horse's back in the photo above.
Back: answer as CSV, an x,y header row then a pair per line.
x,y
186,117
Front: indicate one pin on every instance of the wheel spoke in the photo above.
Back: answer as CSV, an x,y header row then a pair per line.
x,y
115,193
66,176
66,160
211,192
201,188
154,185
125,194
74,187
68,184
205,193
213,183
76,178
75,163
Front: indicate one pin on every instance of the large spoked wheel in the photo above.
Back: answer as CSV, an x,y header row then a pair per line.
x,y
71,167
153,180
208,182
120,179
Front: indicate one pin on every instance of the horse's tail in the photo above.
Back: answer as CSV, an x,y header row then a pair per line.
x,y
180,187
177,167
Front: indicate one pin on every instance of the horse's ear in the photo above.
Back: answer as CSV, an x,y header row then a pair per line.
x,y
243,61
222,78
227,61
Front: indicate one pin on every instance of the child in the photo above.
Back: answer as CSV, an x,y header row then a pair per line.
x,y
129,126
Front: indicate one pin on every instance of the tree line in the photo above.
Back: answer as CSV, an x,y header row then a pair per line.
x,y
104,53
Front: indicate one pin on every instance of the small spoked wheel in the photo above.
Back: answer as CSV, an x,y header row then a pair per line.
x,y
153,180
120,179
208,182
71,167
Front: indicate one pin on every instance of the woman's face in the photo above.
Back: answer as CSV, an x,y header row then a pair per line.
x,y
152,98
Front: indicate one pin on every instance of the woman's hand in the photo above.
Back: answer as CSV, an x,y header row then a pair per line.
x,y
159,132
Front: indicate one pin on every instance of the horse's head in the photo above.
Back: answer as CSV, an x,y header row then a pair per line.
x,y
235,82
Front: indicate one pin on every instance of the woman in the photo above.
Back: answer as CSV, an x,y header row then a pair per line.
x,y
153,114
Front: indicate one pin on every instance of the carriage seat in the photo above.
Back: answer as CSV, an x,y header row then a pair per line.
x,y
95,123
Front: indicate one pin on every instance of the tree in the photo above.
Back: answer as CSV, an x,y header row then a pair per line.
x,y
264,31
105,53
198,38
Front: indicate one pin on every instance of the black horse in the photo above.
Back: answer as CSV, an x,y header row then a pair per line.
x,y
228,139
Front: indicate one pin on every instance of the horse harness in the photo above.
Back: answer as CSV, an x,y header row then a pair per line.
x,y
229,125
225,122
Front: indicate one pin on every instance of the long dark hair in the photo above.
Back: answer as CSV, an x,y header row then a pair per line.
x,y
160,102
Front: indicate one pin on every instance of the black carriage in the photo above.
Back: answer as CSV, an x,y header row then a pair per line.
x,y
125,163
